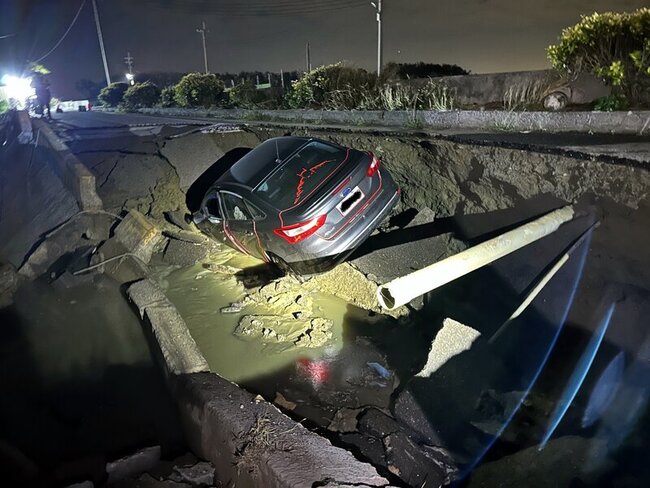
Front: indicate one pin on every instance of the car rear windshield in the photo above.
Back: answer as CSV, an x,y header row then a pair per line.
x,y
292,182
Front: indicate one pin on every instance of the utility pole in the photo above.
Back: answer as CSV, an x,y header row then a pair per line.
x,y
308,56
379,45
202,31
101,43
128,60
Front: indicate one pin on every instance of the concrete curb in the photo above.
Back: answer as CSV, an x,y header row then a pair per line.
x,y
597,122
74,175
250,442
26,133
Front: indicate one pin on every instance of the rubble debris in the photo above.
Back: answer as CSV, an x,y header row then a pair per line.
x,y
134,464
187,236
275,329
407,411
350,284
177,217
234,307
138,235
281,401
224,269
183,253
378,424
371,447
8,284
451,340
405,459
113,259
199,474
83,229
345,420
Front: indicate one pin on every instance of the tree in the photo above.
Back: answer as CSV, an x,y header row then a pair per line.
x,y
141,95
113,94
348,85
168,96
246,95
199,90
613,46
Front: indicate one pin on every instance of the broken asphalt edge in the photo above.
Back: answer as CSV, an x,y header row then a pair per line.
x,y
249,441
621,122
75,177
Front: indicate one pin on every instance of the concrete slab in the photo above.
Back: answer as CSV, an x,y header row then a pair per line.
x,y
382,256
138,235
180,353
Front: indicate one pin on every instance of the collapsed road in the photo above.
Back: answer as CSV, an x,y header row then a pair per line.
x,y
422,392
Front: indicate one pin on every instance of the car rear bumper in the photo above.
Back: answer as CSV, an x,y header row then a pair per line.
x,y
320,254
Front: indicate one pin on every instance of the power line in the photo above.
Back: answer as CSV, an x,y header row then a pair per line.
x,y
64,35
264,10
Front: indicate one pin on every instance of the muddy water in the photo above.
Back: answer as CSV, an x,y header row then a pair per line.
x,y
199,294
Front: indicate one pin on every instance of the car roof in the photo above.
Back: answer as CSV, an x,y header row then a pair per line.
x,y
258,163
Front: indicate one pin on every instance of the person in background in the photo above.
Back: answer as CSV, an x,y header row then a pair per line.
x,y
41,86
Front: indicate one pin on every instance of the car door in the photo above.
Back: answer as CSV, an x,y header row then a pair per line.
x,y
239,226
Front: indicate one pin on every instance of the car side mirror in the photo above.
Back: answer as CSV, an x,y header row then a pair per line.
x,y
198,217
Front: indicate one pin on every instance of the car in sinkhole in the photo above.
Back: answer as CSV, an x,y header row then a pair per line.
x,y
302,204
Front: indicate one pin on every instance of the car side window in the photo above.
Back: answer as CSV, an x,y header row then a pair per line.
x,y
213,208
235,207
254,211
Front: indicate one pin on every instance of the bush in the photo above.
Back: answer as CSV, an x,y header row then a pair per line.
x,y
335,86
611,103
246,95
430,96
612,46
168,97
4,106
112,94
406,71
199,90
141,95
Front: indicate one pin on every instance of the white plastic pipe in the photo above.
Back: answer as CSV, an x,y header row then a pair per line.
x,y
402,290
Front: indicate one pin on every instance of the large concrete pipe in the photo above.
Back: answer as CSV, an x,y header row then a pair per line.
x,y
402,290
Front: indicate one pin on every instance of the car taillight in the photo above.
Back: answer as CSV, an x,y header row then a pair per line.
x,y
298,232
374,164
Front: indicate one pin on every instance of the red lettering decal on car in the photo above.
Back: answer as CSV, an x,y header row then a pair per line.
x,y
303,179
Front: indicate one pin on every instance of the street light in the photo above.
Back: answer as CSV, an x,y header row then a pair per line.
x,y
129,78
377,7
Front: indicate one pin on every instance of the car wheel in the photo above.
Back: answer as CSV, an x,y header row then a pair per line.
x,y
283,266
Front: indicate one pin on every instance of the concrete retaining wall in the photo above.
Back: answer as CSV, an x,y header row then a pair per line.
x,y
33,199
597,122
250,442
489,88
74,175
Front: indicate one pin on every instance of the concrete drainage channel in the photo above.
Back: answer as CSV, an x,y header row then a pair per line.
x,y
458,193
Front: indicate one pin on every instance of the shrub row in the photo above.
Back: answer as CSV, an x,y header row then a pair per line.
x,y
333,87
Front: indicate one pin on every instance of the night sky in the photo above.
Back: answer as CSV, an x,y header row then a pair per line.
x,y
479,35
